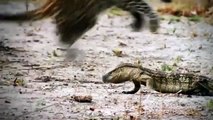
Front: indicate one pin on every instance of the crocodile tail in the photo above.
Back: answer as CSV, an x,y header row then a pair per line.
x,y
47,10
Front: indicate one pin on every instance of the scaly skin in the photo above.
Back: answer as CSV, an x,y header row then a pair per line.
x,y
186,83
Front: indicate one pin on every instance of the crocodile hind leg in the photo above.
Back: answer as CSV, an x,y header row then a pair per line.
x,y
202,88
136,88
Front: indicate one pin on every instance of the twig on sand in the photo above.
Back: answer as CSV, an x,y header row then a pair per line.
x,y
40,109
81,99
37,110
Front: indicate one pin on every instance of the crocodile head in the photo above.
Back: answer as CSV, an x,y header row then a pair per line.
x,y
114,76
122,73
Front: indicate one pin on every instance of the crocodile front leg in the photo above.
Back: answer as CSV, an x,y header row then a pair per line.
x,y
136,88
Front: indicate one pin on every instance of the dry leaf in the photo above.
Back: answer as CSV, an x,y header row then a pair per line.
x,y
117,52
122,44
87,98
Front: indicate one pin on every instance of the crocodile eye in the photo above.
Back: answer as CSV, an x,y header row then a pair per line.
x,y
141,73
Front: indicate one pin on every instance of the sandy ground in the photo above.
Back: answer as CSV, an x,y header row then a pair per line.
x,y
30,52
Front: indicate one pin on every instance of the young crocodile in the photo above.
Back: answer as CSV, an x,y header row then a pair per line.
x,y
185,83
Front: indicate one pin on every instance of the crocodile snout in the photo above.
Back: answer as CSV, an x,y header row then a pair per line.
x,y
108,78
105,78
